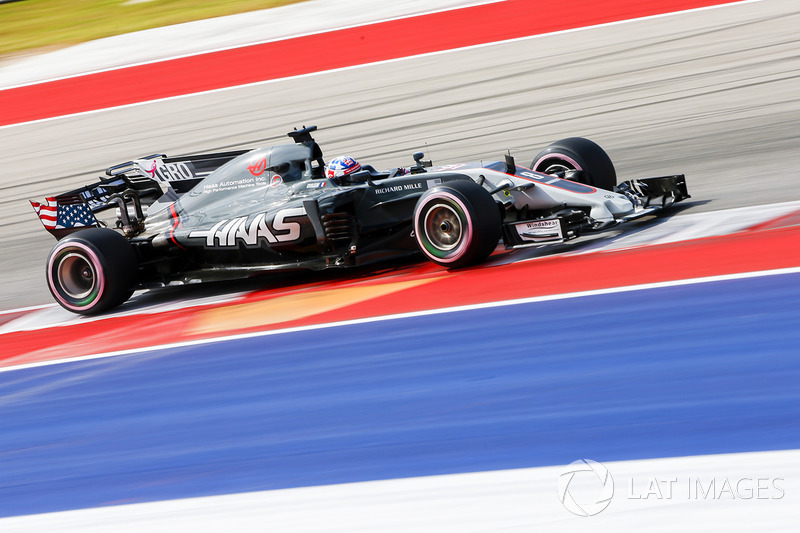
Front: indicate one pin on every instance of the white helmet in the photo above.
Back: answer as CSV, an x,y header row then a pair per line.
x,y
341,166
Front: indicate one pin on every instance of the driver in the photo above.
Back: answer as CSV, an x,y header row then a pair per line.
x,y
340,167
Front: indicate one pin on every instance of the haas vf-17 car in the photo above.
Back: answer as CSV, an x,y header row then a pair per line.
x,y
236,214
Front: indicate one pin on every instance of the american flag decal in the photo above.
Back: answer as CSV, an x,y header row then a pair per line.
x,y
47,212
56,216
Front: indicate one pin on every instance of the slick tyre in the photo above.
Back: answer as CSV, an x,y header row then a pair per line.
x,y
92,271
577,153
457,224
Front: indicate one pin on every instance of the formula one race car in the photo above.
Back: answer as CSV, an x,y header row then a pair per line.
x,y
235,214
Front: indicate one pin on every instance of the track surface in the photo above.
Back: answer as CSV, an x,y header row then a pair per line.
x,y
477,390
324,51
50,335
713,94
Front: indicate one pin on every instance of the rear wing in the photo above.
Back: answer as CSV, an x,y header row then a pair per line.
x,y
75,210
181,173
128,186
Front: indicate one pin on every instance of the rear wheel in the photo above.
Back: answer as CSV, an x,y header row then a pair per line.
x,y
576,153
92,271
457,224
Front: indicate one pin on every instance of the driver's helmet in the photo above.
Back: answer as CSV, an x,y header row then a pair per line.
x,y
341,166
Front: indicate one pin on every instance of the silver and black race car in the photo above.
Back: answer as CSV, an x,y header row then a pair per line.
x,y
236,214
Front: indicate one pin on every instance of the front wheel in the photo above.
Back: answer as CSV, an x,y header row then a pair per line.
x,y
576,153
457,224
91,271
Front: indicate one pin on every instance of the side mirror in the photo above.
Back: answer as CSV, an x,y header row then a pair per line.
x,y
511,166
419,164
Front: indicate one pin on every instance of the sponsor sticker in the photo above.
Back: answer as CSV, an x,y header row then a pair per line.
x,y
454,166
540,230
399,188
158,170
251,232
258,167
555,181
234,185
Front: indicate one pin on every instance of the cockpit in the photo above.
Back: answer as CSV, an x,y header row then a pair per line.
x,y
258,176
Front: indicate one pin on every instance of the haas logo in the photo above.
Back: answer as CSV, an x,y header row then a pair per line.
x,y
231,232
258,167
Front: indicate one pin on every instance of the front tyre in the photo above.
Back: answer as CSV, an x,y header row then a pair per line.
x,y
91,271
577,153
457,224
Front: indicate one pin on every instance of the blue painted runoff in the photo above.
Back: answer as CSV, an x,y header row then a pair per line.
x,y
698,369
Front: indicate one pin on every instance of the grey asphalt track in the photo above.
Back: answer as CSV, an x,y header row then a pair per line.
x,y
714,94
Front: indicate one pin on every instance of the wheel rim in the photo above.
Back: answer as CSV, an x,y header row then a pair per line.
x,y
77,276
554,167
443,227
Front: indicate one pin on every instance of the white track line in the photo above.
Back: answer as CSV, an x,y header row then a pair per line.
x,y
24,309
384,62
253,43
399,316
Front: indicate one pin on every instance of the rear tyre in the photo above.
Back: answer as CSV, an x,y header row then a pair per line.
x,y
457,224
92,271
577,153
